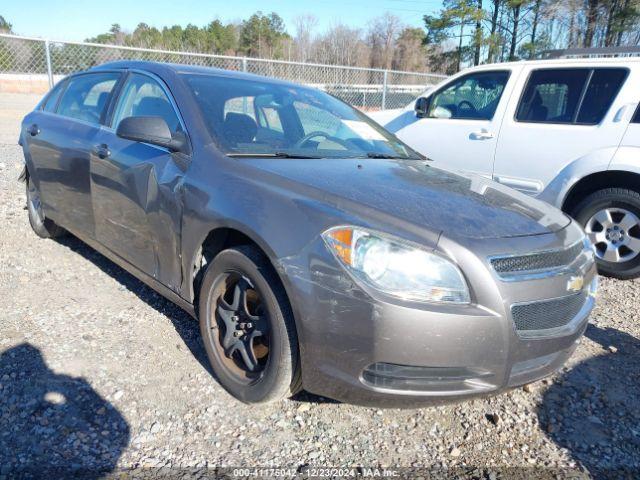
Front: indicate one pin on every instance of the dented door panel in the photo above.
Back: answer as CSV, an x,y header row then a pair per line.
x,y
136,195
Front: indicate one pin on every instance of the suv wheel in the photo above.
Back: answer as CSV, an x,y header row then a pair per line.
x,y
248,328
43,227
611,218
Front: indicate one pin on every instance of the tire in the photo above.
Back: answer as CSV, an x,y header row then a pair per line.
x,y
225,324
617,249
42,226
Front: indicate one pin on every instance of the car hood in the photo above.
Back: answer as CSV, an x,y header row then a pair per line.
x,y
412,191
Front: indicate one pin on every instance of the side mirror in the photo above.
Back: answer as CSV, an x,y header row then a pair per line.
x,y
153,130
422,107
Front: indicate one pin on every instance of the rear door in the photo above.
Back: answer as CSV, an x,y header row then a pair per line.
x,y
461,126
562,115
136,187
60,139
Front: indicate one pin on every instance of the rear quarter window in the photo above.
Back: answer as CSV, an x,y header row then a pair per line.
x,y
51,101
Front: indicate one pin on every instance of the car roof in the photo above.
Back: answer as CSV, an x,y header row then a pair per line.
x,y
162,68
568,62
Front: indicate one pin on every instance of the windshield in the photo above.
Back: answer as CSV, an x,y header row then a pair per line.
x,y
253,117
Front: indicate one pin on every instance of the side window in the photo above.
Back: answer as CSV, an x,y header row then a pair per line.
x,y
602,90
142,96
559,95
52,99
552,96
636,116
86,96
475,96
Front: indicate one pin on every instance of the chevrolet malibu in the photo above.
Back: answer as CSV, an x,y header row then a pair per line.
x,y
316,250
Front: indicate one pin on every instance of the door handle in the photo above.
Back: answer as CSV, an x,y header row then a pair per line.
x,y
102,151
483,134
33,130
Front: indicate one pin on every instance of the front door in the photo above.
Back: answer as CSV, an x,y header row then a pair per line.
x,y
460,128
136,187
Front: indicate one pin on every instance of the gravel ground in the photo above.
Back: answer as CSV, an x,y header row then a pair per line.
x,y
98,372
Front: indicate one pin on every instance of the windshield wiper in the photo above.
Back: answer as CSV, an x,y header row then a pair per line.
x,y
273,155
385,155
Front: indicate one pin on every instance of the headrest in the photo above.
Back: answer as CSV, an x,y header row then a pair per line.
x,y
239,128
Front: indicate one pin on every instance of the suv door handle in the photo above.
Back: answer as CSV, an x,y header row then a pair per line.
x,y
33,130
102,151
483,134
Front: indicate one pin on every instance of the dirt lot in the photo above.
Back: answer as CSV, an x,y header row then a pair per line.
x,y
99,372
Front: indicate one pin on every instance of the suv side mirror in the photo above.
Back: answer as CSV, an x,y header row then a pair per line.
x,y
153,130
422,107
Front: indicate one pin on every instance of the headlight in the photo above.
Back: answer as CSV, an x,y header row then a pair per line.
x,y
396,268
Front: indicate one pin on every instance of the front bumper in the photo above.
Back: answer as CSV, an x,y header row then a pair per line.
x,y
370,350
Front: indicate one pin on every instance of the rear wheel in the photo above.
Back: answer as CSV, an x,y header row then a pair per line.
x,y
42,226
247,327
611,219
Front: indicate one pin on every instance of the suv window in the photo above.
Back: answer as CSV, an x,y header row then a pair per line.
x,y
570,95
86,96
142,96
602,90
636,116
475,96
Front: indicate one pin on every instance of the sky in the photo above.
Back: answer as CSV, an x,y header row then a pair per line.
x,y
76,20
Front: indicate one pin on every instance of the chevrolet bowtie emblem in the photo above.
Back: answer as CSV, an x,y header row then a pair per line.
x,y
575,284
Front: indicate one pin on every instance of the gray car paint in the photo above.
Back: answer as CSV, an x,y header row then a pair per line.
x,y
150,211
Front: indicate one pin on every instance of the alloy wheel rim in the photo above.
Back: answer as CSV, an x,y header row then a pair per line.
x,y
615,234
239,327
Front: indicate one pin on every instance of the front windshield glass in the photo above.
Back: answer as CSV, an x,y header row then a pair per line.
x,y
253,117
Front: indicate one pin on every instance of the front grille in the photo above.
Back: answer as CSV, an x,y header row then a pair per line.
x,y
547,314
534,262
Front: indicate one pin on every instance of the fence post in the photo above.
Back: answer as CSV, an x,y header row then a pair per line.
x,y
384,89
47,54
244,64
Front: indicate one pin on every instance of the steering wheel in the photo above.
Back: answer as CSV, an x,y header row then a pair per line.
x,y
469,106
324,135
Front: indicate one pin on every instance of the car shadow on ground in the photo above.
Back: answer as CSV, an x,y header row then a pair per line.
x,y
594,410
53,425
185,325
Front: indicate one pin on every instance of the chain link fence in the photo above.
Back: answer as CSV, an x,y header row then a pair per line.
x,y
367,89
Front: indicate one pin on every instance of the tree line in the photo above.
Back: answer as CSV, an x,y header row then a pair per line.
x,y
384,43
470,32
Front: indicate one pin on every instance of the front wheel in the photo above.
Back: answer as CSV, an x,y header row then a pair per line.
x,y
42,226
247,327
611,219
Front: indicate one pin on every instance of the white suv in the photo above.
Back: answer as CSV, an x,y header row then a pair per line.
x,y
565,131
